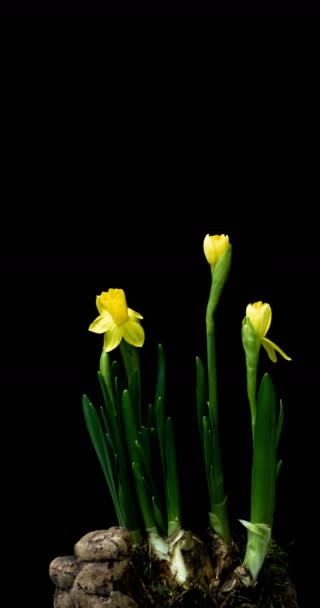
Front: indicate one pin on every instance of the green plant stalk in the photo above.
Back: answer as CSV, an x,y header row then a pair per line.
x,y
218,515
212,370
105,371
131,361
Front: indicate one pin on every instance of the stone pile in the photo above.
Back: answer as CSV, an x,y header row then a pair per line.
x,y
99,573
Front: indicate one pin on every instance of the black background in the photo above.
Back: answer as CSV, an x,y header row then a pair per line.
x,y
120,191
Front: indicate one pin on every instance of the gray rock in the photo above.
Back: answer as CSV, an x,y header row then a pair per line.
x,y
63,571
94,578
62,599
120,600
115,600
111,544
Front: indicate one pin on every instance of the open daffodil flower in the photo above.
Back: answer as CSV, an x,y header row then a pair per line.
x,y
259,315
116,320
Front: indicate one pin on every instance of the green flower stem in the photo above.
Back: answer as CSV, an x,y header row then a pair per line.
x,y
212,372
105,371
251,345
131,361
218,516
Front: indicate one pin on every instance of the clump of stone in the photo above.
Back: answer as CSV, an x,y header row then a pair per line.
x,y
98,575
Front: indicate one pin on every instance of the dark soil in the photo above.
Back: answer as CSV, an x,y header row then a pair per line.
x,y
274,588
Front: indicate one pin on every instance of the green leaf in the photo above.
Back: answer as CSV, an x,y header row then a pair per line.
x,y
130,505
145,501
146,448
161,376
264,455
280,423
113,423
150,422
172,483
129,423
101,448
131,361
159,517
217,519
208,455
134,390
159,426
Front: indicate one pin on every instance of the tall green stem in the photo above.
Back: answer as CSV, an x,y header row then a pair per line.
x,y
212,370
251,345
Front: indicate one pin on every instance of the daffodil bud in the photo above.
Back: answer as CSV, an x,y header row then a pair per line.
x,y
214,247
217,250
259,316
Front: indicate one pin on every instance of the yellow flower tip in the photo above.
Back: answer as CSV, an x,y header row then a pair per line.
x,y
114,302
214,246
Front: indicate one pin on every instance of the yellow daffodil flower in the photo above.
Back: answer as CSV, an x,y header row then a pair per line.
x,y
259,315
116,320
214,247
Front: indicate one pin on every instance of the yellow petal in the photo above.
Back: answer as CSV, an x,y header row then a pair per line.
x,y
214,246
100,303
132,314
112,338
133,333
271,347
270,350
260,316
102,323
114,302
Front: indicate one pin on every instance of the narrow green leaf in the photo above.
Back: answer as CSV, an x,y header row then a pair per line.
x,y
264,455
145,501
161,376
280,423
114,423
131,361
172,483
118,372
134,390
129,502
279,465
101,448
129,423
160,424
160,517
145,442
150,422
208,455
